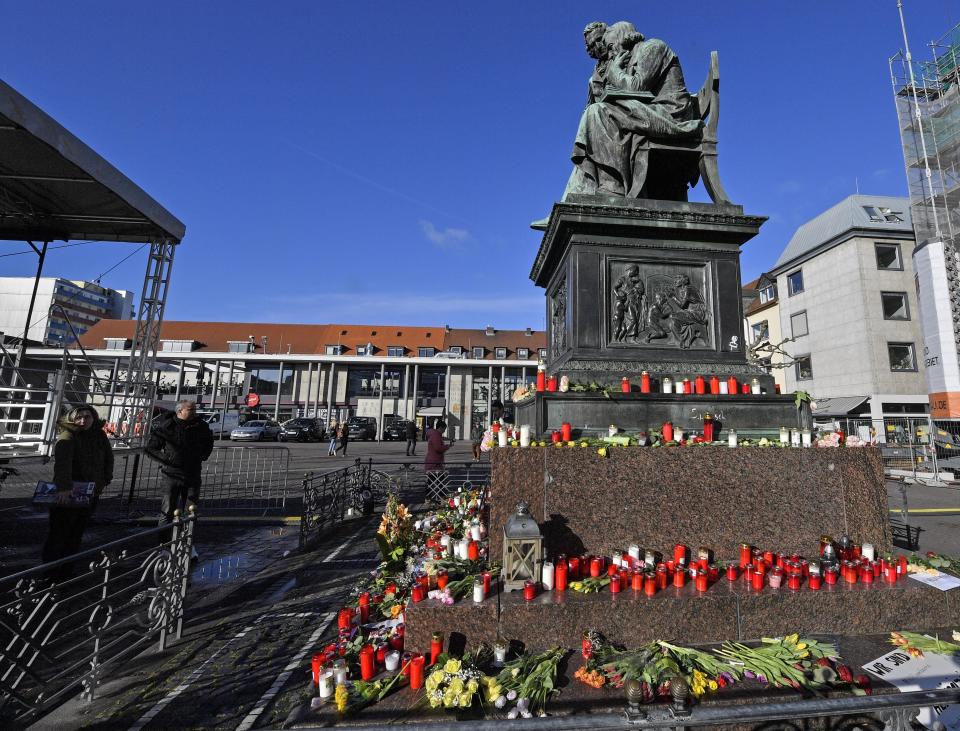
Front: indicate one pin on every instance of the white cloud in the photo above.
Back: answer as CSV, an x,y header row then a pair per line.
x,y
448,238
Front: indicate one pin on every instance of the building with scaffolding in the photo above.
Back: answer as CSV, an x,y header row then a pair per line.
x,y
927,96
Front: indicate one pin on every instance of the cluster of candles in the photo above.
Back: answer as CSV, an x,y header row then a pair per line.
x,y
698,385
504,434
646,571
424,583
788,437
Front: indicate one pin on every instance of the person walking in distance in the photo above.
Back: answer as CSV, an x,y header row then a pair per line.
x,y
343,435
334,432
436,447
181,442
82,454
411,439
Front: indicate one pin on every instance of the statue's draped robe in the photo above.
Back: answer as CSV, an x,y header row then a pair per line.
x,y
608,153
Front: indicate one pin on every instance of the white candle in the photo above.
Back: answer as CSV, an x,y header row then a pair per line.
x,y
524,435
417,524
475,531
755,386
678,387
502,438
677,434
500,652
805,437
547,576
868,552
462,549
445,540
784,436
634,551
478,591
616,560
392,661
325,684
339,672
732,438
724,389
795,437
666,385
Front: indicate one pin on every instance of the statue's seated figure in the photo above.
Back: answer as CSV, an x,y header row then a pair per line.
x,y
642,135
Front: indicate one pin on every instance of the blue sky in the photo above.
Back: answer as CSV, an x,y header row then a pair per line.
x,y
380,162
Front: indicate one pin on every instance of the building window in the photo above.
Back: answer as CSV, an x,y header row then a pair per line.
x,y
523,353
117,343
798,324
768,294
760,331
795,282
542,353
888,257
239,346
395,351
426,352
895,306
804,368
478,352
332,350
880,214
500,353
902,357
176,346
365,349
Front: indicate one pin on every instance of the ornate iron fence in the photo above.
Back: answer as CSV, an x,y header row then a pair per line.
x,y
64,624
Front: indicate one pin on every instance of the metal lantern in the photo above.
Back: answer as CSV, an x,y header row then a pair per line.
x,y
522,548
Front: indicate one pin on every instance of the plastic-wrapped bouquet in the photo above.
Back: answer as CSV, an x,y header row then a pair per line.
x,y
452,683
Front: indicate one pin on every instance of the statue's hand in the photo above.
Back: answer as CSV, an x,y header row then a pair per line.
x,y
622,59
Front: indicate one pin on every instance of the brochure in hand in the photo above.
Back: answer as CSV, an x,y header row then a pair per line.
x,y
46,493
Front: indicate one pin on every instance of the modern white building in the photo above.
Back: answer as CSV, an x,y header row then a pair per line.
x,y
59,304
848,299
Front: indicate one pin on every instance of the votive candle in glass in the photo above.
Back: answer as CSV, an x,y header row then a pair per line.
x,y
392,661
478,595
325,684
547,576
732,438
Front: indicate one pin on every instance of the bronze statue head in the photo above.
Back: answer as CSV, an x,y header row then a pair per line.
x,y
621,36
593,37
682,280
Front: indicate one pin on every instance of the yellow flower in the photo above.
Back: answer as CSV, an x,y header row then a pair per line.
x,y
396,609
571,444
465,700
452,666
558,444
515,672
792,639
472,686
713,685
342,696
602,451
456,685
583,444
801,646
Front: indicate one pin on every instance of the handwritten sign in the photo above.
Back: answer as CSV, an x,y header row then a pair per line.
x,y
930,672
937,579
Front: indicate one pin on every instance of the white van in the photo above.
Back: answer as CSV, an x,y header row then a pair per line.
x,y
221,422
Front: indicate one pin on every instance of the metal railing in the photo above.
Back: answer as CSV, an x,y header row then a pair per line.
x,y
435,486
64,624
893,712
912,446
235,480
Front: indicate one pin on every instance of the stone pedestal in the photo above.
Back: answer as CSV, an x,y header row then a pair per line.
x,y
637,285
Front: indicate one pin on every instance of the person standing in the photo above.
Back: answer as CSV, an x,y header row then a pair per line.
x,y
181,442
334,433
82,454
436,447
411,439
343,434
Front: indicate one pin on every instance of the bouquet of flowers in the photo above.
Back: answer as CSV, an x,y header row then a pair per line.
x,y
917,644
452,683
395,532
783,661
529,680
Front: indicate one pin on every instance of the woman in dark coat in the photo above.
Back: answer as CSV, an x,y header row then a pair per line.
x,y
435,447
82,454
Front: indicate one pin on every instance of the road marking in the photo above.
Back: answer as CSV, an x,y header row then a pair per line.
x,y
284,676
921,511
339,549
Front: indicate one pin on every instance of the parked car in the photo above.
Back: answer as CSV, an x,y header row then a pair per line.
x,y
256,431
396,429
362,427
302,430
220,423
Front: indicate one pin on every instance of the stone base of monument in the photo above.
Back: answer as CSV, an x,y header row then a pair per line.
x,y
592,413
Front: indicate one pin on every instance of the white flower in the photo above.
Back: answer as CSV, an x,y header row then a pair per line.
x,y
526,714
501,701
511,695
523,705
512,713
956,635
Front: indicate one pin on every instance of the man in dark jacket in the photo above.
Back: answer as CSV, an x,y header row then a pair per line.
x,y
411,439
181,442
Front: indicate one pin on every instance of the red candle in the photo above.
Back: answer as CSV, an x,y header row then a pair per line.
x,y
418,594
744,388
473,551
769,557
573,565
708,427
901,565
554,436
662,577
733,572
364,602
416,672
390,588
745,554
442,580
702,581
667,431
345,618
748,573
814,581
396,639
679,577
529,590
866,574
687,386
487,579
890,573
876,568
644,382
436,647
596,566
756,581
560,576
731,385
615,584
714,385
367,669
830,576
625,385
700,385
552,383
679,554
612,569
637,581
565,430
495,427
381,654
849,573
650,585
541,380
793,581
316,663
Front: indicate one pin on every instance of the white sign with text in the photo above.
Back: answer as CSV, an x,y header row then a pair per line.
x,y
930,672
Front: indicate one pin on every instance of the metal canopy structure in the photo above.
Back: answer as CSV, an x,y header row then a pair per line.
x,y
53,186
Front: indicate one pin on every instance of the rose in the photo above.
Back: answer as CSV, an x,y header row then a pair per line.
x,y
863,682
844,672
